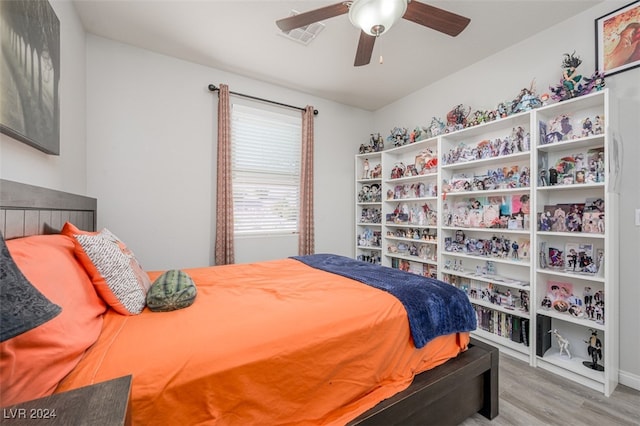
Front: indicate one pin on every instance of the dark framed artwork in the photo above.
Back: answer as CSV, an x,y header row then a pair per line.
x,y
618,40
30,77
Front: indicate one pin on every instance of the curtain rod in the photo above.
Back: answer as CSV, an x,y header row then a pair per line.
x,y
213,88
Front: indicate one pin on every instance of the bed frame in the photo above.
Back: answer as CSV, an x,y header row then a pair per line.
x,y
445,395
31,210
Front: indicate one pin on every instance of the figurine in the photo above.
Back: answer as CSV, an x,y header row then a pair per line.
x,y
542,177
399,136
553,176
526,100
515,248
595,82
376,173
457,117
376,142
588,297
524,300
594,349
504,109
572,85
365,168
559,221
600,264
570,77
510,302
545,221
375,193
599,125
587,127
572,259
544,98
542,255
417,134
435,128
427,160
563,343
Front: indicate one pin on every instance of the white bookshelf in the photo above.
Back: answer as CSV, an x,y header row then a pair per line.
x,y
368,207
590,180
429,246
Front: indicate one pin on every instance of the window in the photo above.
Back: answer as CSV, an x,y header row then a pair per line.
x,y
265,157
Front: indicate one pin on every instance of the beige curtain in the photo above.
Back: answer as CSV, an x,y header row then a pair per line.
x,y
306,238
224,253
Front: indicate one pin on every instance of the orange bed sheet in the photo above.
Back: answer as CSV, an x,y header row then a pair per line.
x,y
269,343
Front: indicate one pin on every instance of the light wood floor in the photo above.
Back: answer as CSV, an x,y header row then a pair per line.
x,y
532,396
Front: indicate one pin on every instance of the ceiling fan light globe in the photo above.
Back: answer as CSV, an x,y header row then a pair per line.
x,y
376,16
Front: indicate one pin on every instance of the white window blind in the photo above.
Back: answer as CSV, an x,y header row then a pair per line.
x,y
266,171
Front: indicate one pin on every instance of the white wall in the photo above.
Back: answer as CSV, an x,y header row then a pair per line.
x,y
66,172
151,155
500,78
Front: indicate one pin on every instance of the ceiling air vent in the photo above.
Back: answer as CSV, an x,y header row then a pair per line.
x,y
304,35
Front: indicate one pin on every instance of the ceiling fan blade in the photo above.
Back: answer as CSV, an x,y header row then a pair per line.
x,y
365,49
436,18
306,18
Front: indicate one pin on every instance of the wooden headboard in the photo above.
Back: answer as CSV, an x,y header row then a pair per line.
x,y
32,210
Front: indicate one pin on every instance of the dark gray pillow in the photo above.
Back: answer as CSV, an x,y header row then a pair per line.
x,y
22,306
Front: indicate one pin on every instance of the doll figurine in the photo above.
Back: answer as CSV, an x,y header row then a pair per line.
x,y
563,343
570,77
570,84
594,349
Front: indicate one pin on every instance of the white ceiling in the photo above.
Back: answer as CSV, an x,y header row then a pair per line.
x,y
241,37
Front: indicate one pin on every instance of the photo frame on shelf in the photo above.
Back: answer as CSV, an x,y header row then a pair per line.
x,y
615,50
30,105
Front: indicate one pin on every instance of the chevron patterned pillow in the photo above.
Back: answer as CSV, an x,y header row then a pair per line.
x,y
114,270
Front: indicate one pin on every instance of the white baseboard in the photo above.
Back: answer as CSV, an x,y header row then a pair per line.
x,y
628,379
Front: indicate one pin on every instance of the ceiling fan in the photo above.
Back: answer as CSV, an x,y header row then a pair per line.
x,y
375,17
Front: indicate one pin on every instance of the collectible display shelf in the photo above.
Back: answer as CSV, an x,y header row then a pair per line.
x,y
501,210
368,233
587,190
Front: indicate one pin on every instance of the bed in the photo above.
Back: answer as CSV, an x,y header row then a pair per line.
x,y
346,356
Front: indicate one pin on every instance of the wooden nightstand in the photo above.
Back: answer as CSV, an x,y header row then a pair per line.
x,y
102,404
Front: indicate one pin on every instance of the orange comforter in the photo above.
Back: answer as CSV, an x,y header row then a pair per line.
x,y
266,343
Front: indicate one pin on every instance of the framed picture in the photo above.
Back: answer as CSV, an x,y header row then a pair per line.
x,y
30,105
617,42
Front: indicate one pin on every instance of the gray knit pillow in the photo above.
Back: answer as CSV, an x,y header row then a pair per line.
x,y
22,306
172,290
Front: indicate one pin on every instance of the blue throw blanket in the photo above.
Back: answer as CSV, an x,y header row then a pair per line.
x,y
434,308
